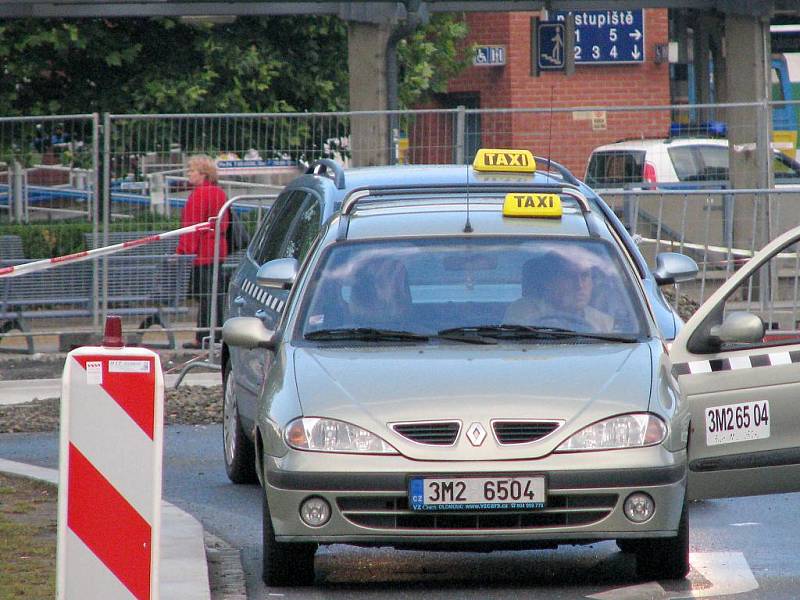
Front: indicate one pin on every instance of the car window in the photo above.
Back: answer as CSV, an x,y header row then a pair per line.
x,y
425,286
699,162
273,234
773,293
304,229
255,249
615,168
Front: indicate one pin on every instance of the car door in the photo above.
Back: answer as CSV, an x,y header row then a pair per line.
x,y
247,298
743,393
296,223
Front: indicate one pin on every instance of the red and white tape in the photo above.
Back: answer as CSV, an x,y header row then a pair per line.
x,y
49,263
110,474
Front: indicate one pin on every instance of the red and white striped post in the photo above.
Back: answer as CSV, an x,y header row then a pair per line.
x,y
112,409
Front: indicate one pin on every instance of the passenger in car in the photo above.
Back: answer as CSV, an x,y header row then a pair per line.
x,y
380,294
329,310
557,292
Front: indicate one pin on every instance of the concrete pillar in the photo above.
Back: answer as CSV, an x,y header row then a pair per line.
x,y
680,85
747,50
702,66
369,138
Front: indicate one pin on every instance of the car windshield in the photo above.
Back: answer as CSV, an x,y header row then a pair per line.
x,y
472,290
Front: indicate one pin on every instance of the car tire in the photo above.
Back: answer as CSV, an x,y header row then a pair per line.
x,y
628,546
240,464
284,564
665,558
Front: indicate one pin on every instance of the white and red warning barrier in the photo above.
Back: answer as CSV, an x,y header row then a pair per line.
x,y
48,263
112,408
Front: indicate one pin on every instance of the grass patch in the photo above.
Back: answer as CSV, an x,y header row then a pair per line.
x,y
28,513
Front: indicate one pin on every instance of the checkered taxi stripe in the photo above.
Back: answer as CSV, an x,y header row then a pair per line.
x,y
262,296
735,363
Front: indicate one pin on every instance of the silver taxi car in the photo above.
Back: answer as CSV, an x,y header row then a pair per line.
x,y
468,368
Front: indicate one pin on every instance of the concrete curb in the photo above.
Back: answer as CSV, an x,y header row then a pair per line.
x,y
20,391
184,570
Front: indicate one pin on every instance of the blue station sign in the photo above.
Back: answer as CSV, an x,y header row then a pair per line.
x,y
607,36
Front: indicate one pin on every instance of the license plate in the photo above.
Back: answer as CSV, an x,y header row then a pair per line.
x,y
476,493
737,423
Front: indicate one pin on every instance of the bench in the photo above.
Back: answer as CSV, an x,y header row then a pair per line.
x,y
167,246
11,247
153,286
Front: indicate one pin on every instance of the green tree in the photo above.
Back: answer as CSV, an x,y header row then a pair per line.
x,y
430,57
161,65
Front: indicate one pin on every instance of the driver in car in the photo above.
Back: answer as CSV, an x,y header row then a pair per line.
x,y
381,295
556,292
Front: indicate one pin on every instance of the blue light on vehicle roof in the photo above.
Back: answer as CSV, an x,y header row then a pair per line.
x,y
706,128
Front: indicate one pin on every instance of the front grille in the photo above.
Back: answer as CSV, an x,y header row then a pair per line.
x,y
434,433
522,432
392,512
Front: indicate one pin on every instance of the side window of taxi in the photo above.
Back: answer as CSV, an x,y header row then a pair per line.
x,y
304,229
272,236
772,292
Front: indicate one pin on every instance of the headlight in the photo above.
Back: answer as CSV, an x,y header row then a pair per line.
x,y
328,435
625,431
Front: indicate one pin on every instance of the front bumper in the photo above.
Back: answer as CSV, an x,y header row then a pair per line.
x,y
368,496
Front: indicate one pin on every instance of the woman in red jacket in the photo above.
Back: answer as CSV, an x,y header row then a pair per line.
x,y
204,202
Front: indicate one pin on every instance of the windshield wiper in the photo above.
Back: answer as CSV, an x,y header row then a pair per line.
x,y
365,334
511,331
468,335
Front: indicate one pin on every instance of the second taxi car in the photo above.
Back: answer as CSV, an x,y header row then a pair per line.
x,y
470,366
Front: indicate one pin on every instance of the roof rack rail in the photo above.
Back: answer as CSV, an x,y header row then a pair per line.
x,y
562,170
352,198
327,166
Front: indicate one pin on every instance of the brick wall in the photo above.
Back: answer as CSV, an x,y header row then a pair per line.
x,y
567,137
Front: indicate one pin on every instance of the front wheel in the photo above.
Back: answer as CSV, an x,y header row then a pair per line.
x,y
284,564
240,464
665,558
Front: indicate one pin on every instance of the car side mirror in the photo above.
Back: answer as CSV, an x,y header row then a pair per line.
x,y
280,273
738,328
247,332
672,267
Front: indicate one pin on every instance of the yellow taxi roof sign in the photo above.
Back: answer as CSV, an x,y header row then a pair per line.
x,y
528,204
508,161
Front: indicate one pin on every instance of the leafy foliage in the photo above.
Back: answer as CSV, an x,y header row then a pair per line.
x,y
430,57
161,65
46,240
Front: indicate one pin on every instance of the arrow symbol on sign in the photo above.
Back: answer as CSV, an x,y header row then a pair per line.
x,y
636,34
636,54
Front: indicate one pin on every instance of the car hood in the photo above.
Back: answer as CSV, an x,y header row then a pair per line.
x,y
373,386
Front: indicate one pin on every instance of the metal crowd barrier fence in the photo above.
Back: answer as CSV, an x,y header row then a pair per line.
x,y
50,166
213,361
58,288
720,229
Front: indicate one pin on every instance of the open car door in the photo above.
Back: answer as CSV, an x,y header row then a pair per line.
x,y
737,365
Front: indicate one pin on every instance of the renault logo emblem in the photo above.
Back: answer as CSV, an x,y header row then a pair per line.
x,y
476,434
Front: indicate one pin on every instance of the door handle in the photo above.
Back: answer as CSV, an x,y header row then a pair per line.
x,y
239,301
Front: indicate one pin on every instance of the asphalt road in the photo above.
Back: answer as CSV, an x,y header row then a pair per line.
x,y
742,548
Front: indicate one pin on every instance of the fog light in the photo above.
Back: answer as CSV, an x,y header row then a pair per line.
x,y
639,507
315,512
